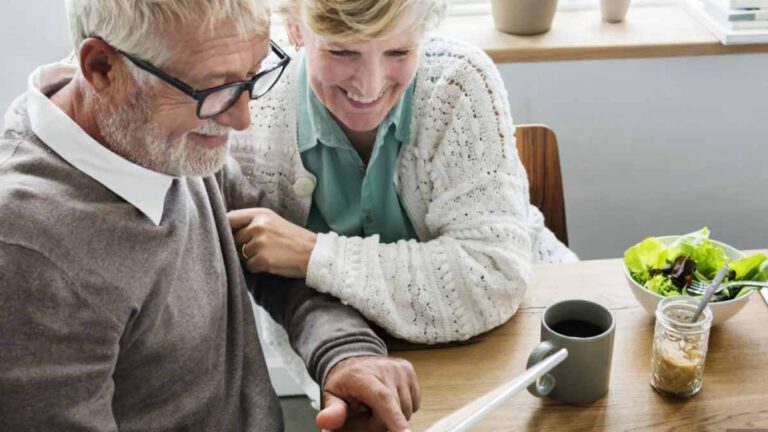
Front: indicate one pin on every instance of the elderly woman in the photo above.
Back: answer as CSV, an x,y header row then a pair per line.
x,y
392,172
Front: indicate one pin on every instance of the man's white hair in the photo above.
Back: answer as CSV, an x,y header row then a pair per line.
x,y
138,26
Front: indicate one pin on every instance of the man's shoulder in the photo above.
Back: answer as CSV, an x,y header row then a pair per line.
x,y
32,174
51,210
42,197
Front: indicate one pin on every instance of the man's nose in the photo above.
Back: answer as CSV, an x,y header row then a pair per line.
x,y
239,116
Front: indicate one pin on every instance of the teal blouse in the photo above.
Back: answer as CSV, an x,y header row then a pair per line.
x,y
351,199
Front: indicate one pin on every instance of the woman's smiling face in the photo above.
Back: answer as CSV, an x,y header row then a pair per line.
x,y
360,82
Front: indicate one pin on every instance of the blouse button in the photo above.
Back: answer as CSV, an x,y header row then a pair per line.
x,y
304,187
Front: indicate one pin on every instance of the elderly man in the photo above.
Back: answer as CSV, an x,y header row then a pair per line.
x,y
122,301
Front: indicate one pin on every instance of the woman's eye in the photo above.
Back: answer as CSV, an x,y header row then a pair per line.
x,y
339,53
401,53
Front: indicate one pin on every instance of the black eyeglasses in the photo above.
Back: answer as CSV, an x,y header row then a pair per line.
x,y
215,100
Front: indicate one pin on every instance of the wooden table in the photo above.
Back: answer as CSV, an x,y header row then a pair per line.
x,y
734,395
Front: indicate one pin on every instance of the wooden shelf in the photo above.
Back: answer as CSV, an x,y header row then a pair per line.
x,y
647,32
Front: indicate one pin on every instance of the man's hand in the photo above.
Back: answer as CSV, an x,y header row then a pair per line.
x,y
269,243
369,394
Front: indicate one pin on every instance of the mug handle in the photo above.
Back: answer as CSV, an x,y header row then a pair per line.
x,y
544,385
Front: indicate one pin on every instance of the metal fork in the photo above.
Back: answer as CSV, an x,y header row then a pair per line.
x,y
700,288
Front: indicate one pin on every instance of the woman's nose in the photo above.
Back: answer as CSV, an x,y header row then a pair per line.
x,y
370,78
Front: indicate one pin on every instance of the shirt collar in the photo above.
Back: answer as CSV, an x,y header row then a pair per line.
x,y
319,127
143,188
400,116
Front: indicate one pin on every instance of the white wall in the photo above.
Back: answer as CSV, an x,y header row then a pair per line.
x,y
652,147
32,32
648,147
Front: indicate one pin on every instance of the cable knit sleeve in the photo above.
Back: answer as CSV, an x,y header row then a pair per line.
x,y
469,272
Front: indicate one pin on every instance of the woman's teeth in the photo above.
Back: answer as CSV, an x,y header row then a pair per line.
x,y
363,99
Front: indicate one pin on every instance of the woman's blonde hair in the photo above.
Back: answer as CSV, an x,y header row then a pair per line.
x,y
355,20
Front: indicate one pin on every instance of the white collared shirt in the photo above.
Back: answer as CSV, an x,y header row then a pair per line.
x,y
143,188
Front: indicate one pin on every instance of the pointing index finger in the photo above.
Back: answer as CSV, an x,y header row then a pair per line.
x,y
384,402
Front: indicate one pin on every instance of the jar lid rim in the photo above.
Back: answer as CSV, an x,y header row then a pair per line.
x,y
702,324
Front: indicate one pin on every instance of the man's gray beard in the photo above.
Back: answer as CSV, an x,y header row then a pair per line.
x,y
131,133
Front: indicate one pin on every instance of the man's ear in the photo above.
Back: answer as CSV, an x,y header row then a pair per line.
x,y
101,66
295,36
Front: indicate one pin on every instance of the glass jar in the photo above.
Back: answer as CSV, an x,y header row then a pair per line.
x,y
679,347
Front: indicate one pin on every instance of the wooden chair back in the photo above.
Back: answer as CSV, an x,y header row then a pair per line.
x,y
537,147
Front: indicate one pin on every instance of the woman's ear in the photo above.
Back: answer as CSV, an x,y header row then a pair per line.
x,y
295,36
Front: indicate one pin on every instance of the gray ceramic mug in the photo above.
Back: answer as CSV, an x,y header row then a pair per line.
x,y
586,330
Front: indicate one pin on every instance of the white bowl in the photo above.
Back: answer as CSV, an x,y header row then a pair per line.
x,y
721,311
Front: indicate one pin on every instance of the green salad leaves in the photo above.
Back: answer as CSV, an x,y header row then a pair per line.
x,y
668,270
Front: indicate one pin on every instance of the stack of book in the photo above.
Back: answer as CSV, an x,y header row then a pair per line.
x,y
733,21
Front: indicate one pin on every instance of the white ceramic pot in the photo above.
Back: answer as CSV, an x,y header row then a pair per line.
x,y
523,17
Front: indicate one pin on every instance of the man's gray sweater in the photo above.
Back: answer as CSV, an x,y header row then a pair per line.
x,y
110,322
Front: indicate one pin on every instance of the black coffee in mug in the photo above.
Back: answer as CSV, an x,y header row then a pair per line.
x,y
577,328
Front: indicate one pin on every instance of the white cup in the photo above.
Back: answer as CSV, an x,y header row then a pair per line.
x,y
614,11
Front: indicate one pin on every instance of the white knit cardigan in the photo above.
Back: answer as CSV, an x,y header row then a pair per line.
x,y
462,185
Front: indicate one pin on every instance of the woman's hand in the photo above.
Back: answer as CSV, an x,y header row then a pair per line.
x,y
269,243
